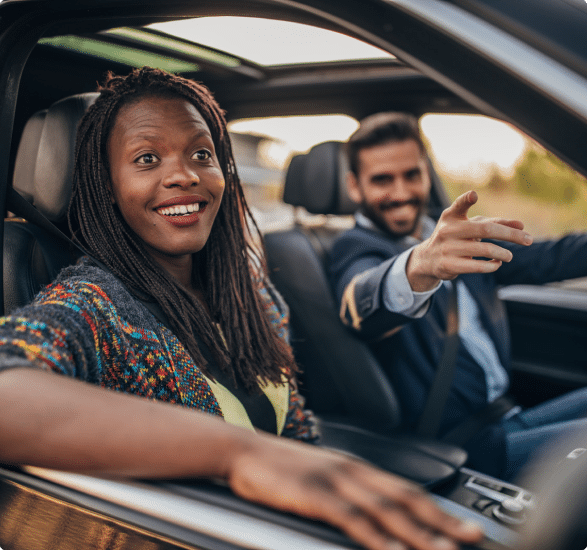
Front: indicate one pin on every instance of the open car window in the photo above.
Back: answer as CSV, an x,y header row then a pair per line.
x,y
513,174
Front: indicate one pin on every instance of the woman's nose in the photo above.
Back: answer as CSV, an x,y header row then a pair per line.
x,y
182,173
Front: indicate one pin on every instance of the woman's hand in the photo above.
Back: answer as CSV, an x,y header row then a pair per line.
x,y
379,510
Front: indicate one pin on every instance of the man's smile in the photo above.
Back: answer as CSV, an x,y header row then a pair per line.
x,y
390,205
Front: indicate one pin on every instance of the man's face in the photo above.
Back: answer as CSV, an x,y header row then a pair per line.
x,y
392,186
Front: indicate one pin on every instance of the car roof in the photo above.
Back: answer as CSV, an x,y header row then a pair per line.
x,y
508,60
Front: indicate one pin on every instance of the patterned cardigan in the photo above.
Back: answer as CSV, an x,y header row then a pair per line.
x,y
87,325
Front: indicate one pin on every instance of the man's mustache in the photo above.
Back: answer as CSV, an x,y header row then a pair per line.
x,y
389,205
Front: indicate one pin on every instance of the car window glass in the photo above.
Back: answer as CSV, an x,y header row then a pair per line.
x,y
513,175
263,148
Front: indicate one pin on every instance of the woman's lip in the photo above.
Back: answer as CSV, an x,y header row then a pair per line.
x,y
178,201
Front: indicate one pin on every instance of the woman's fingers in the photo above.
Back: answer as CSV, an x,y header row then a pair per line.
x,y
407,511
389,512
376,509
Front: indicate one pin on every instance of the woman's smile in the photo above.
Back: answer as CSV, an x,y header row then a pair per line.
x,y
182,211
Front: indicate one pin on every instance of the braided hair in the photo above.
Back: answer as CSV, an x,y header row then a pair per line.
x,y
248,348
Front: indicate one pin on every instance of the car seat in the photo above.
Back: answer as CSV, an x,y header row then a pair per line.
x,y
44,161
341,377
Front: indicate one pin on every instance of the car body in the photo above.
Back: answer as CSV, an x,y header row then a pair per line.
x,y
523,62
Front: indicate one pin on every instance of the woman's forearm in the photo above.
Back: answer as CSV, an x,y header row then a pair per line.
x,y
57,422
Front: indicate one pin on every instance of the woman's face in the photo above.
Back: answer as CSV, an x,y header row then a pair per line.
x,y
166,179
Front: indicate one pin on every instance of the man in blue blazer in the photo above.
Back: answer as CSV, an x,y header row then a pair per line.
x,y
393,273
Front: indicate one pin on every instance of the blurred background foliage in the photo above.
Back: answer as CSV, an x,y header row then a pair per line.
x,y
540,190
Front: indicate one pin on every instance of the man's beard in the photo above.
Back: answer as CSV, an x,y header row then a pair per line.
x,y
376,215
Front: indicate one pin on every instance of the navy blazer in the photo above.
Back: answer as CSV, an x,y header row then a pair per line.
x,y
410,355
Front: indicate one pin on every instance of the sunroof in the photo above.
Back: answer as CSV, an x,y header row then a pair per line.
x,y
271,42
173,45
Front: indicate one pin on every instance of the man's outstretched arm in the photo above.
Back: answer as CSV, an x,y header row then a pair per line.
x,y
455,247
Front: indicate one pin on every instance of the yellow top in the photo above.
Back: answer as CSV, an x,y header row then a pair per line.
x,y
235,413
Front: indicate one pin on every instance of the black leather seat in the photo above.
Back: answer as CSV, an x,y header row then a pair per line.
x,y
342,381
42,175
342,378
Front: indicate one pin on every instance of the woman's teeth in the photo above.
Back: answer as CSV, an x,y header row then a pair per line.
x,y
180,210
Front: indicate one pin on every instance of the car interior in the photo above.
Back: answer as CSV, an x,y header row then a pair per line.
x,y
342,382
323,346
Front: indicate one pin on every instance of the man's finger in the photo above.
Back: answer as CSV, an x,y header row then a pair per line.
x,y
461,205
489,229
515,224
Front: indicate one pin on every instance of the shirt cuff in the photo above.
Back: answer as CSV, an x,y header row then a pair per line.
x,y
398,295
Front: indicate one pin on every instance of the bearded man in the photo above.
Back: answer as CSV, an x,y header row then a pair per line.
x,y
395,273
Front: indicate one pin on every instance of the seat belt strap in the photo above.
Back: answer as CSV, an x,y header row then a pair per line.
x,y
431,417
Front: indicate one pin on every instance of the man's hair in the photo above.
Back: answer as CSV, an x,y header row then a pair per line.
x,y
379,129
250,348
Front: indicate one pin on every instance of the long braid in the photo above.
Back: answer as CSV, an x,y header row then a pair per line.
x,y
253,348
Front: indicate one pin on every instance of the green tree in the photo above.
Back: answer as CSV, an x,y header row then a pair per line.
x,y
541,175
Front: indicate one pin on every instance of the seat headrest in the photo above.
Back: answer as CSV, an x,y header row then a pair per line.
x,y
43,172
316,180
23,179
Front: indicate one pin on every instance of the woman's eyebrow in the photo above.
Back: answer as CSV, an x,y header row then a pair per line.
x,y
151,135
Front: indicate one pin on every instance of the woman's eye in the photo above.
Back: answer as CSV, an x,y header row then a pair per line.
x,y
202,154
147,158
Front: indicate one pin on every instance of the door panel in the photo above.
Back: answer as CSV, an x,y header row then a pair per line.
x,y
549,340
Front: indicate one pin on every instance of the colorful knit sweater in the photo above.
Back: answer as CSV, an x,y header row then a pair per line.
x,y
87,325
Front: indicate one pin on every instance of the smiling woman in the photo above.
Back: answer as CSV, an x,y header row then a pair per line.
x,y
176,306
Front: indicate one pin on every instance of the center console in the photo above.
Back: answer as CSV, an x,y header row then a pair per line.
x,y
502,508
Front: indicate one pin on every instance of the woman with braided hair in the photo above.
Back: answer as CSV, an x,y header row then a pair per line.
x,y
172,307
